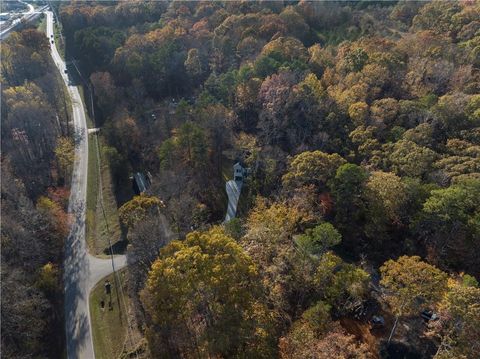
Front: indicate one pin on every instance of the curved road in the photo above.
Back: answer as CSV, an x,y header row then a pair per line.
x,y
82,271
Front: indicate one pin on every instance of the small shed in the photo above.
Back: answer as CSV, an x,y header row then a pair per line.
x,y
429,315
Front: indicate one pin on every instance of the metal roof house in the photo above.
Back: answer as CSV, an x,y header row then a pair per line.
x,y
238,172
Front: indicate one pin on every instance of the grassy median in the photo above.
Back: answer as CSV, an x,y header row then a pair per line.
x,y
102,223
103,226
109,324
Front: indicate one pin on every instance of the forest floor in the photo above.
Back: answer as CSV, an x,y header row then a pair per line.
x,y
363,331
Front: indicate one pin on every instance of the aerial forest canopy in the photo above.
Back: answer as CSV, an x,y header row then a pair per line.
x,y
359,124
36,162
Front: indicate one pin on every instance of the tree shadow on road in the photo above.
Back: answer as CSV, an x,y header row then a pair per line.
x,y
76,272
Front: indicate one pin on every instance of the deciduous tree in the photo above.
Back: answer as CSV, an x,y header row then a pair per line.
x,y
317,240
460,321
65,153
315,167
348,189
201,295
386,196
137,209
302,342
412,160
450,224
342,285
411,285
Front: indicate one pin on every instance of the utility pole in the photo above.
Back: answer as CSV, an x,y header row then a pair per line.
x,y
90,87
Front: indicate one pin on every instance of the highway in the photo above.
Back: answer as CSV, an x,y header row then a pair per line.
x,y
81,270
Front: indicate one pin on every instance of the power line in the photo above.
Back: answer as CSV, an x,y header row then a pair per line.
x,y
100,192
115,274
100,185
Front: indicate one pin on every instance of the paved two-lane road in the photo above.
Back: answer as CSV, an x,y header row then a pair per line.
x,y
82,271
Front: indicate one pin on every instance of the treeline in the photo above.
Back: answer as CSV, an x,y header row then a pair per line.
x,y
37,159
360,124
